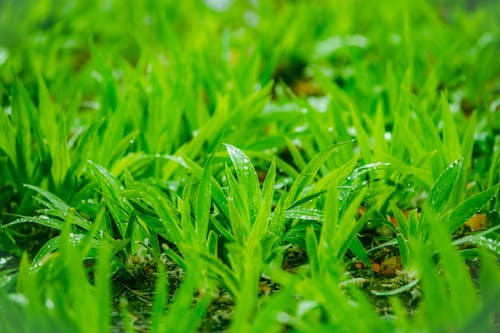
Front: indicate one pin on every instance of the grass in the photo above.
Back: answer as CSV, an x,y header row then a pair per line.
x,y
256,166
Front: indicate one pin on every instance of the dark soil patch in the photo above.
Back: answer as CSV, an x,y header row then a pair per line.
x,y
294,258
134,292
220,310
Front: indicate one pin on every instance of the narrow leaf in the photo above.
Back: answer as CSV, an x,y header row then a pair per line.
x,y
466,209
441,191
309,172
247,177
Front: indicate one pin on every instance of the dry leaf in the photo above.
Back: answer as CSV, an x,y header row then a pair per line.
x,y
477,222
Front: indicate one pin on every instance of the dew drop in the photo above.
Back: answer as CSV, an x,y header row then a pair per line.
x,y
49,303
19,299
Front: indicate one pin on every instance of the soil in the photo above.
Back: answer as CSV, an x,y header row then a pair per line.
x,y
136,293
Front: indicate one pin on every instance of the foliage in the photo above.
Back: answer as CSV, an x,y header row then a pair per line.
x,y
221,138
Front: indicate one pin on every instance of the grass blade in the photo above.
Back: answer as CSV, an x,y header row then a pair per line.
x,y
466,209
309,172
440,192
247,177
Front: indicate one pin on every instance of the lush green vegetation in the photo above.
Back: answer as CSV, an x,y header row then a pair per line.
x,y
262,166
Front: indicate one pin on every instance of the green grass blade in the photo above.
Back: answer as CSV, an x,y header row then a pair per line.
x,y
247,177
466,209
160,299
202,211
451,144
440,192
218,194
312,247
260,227
309,172
103,288
359,251
165,210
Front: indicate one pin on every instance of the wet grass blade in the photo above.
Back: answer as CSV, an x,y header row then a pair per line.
x,y
440,192
466,209
247,177
309,172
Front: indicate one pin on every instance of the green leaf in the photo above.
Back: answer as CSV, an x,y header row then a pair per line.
x,y
84,148
404,250
239,214
306,199
466,209
277,223
260,227
247,177
8,137
44,220
54,216
203,203
112,190
224,274
165,210
53,199
160,298
218,194
440,192
451,144
359,251
312,251
309,172
350,226
103,287
304,214
298,160
396,291
121,147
